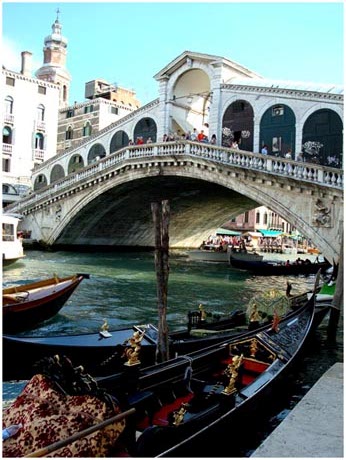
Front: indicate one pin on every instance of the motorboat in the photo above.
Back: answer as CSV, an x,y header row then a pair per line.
x,y
12,245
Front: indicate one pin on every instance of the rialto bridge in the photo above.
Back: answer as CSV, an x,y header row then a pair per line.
x,y
108,202
99,192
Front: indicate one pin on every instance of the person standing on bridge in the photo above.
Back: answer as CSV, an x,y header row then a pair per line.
x,y
299,156
194,135
201,136
264,150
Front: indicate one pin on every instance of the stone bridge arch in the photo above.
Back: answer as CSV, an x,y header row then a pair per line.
x,y
201,200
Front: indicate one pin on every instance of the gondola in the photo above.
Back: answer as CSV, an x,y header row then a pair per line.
x,y
102,353
266,268
183,404
29,304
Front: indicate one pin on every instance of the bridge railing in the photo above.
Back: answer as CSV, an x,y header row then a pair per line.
x,y
312,173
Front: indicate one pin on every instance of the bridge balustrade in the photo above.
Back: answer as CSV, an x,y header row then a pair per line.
x,y
322,175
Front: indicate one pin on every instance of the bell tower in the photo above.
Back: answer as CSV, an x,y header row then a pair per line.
x,y
54,62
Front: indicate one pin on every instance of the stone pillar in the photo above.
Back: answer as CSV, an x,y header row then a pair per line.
x,y
164,109
299,138
256,133
215,115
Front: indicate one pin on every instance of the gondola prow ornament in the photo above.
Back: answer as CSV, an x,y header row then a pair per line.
x,y
133,349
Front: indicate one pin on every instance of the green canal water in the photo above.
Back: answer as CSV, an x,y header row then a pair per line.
x,y
122,288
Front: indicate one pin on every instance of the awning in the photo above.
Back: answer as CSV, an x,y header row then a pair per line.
x,y
223,231
272,233
253,234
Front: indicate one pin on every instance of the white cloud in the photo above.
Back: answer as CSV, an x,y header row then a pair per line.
x,y
11,56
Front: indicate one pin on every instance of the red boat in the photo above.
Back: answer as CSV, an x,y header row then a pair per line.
x,y
29,304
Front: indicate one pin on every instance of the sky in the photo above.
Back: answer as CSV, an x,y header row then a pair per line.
x,y
127,43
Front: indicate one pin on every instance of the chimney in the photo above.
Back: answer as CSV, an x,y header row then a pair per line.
x,y
26,63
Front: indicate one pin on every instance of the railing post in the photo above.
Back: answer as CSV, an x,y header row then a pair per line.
x,y
269,164
320,176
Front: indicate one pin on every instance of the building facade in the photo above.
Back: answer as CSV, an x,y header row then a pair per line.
x,y
106,104
260,218
39,122
30,120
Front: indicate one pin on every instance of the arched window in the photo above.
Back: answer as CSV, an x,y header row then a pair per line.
x,y
40,113
69,133
258,217
39,141
9,105
87,129
64,93
7,135
265,219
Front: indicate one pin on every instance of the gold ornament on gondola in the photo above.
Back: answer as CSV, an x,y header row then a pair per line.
x,y
133,348
203,312
104,327
253,348
232,372
178,415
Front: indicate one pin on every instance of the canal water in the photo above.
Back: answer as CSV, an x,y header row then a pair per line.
x,y
122,289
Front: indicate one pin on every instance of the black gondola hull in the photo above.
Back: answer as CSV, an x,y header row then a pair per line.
x,y
263,268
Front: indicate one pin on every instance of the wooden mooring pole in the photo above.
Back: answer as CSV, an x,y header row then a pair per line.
x,y
337,303
161,216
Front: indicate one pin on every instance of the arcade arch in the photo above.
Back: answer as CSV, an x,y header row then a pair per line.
x,y
191,100
145,128
238,125
119,140
278,130
76,162
322,138
96,152
56,173
40,182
